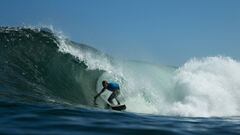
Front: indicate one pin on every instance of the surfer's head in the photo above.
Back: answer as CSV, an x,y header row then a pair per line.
x,y
104,83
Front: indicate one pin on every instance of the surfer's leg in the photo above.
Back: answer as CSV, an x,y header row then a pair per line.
x,y
111,97
117,101
116,97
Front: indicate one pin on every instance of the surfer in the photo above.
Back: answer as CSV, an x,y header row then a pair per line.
x,y
113,87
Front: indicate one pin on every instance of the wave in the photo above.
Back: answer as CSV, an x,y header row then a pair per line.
x,y
41,65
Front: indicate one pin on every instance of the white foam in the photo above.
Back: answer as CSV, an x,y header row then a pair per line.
x,y
211,87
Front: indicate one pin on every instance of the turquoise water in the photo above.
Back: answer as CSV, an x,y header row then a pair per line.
x,y
47,85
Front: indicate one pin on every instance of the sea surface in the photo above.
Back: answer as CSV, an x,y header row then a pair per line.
x,y
22,119
47,85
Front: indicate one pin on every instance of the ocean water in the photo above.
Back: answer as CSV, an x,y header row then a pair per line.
x,y
47,85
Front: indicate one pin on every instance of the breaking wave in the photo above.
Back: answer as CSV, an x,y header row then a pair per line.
x,y
40,65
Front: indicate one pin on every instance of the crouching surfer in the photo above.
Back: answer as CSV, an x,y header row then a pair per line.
x,y
113,87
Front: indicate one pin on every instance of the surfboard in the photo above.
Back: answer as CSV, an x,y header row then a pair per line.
x,y
118,107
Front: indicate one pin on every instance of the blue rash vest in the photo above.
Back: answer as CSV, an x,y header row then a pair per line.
x,y
113,86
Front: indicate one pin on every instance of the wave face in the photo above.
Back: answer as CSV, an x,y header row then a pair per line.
x,y
40,65
32,69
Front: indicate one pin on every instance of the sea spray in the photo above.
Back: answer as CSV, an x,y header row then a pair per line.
x,y
210,87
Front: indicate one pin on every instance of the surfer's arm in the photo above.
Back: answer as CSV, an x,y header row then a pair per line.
x,y
95,98
99,93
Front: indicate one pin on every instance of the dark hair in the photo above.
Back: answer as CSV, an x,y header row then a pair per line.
x,y
103,82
